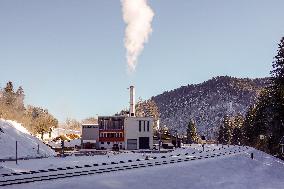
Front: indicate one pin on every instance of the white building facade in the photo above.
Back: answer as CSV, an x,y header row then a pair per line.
x,y
138,133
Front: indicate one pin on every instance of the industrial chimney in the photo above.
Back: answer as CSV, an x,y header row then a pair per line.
x,y
132,101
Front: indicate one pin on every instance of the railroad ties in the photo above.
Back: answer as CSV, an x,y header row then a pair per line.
x,y
93,169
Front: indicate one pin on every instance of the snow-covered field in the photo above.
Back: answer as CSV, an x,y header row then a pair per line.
x,y
232,169
27,144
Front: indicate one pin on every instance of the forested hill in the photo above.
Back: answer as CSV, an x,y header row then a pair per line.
x,y
208,102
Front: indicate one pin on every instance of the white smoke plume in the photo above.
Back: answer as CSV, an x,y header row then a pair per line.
x,y
137,15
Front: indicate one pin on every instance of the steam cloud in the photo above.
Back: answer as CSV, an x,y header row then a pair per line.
x,y
138,17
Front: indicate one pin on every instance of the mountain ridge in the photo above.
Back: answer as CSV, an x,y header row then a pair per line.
x,y
208,102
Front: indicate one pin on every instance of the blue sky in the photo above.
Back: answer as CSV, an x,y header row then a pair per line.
x,y
69,55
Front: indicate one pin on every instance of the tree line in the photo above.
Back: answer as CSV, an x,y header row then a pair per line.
x,y
263,125
35,119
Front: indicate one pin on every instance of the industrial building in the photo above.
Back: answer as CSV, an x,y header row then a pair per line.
x,y
123,131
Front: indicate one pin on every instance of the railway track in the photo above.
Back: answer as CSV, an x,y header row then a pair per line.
x,y
95,169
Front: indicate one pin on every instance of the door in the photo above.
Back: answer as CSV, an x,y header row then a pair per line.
x,y
132,144
144,143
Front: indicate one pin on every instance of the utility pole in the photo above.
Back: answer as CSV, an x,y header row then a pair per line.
x,y
62,146
176,139
17,152
159,140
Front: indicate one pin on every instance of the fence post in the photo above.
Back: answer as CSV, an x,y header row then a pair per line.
x,y
17,152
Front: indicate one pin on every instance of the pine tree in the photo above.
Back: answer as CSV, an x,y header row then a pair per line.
x,y
191,132
248,126
8,94
225,131
277,93
267,116
19,102
221,135
237,129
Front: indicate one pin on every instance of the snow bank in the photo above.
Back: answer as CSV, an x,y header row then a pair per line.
x,y
27,144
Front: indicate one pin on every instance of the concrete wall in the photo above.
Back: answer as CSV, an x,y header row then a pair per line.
x,y
131,126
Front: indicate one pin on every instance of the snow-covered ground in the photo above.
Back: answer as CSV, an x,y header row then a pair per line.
x,y
54,162
235,170
27,144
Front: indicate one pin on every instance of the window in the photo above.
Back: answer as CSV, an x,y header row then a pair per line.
x,y
108,143
102,142
139,126
144,125
148,126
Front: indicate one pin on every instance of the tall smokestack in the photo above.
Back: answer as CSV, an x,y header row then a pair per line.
x,y
132,101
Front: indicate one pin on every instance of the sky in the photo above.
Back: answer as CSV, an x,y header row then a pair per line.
x,y
69,55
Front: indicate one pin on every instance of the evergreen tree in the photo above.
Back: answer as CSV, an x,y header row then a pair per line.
x,y
191,132
8,94
237,129
267,116
19,100
225,131
248,126
220,137
277,103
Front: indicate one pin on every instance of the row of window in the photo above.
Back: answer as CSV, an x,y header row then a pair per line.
x,y
111,135
144,124
111,124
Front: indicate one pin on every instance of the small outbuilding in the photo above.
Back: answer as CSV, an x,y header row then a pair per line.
x,y
90,136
